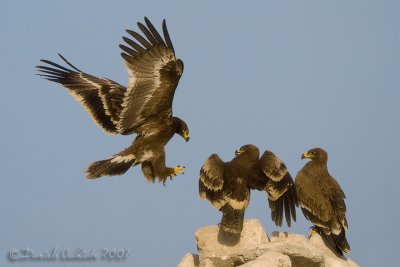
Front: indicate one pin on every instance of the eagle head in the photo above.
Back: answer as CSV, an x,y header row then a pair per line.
x,y
181,128
315,154
249,150
179,67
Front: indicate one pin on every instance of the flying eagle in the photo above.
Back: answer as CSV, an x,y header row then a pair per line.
x,y
322,200
227,186
143,108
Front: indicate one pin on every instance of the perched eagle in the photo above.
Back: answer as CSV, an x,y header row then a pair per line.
x,y
227,186
322,200
144,107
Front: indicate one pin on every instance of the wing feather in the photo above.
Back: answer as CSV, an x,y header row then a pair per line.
x,y
154,73
212,173
276,180
211,181
154,32
148,34
336,198
95,94
138,37
167,38
129,51
137,47
323,198
312,197
272,166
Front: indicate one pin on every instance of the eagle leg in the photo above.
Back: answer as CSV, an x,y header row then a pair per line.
x,y
312,232
172,172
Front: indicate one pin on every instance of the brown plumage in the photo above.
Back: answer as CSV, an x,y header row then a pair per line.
x,y
143,108
227,186
322,200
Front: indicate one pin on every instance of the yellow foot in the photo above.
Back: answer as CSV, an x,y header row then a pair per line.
x,y
177,170
172,172
312,231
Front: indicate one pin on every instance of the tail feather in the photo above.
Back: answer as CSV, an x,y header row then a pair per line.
x,y
338,242
232,220
341,241
148,171
107,168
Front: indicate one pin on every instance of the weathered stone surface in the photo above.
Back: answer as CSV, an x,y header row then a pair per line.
x,y
189,260
301,252
253,248
282,236
331,259
270,259
215,262
228,250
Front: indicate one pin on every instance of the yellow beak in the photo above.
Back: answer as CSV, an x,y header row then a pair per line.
x,y
238,151
306,155
186,136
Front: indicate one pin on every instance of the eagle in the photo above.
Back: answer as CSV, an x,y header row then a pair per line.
x,y
143,108
322,200
227,186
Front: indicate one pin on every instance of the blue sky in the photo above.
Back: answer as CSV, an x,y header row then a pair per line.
x,y
284,75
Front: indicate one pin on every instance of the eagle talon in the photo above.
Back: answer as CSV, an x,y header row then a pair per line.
x,y
177,170
312,232
173,172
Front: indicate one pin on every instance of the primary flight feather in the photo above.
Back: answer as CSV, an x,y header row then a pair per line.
x,y
144,107
227,185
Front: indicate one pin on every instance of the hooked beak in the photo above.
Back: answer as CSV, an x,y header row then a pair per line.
x,y
186,136
306,155
238,152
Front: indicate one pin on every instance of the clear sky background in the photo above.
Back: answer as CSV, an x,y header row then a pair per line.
x,y
284,75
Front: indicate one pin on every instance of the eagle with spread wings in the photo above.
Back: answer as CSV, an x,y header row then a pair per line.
x,y
227,186
143,108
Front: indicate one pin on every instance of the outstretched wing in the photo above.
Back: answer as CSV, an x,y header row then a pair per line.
x,y
275,179
154,73
102,98
211,181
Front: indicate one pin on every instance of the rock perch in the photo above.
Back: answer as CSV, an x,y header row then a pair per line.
x,y
254,249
